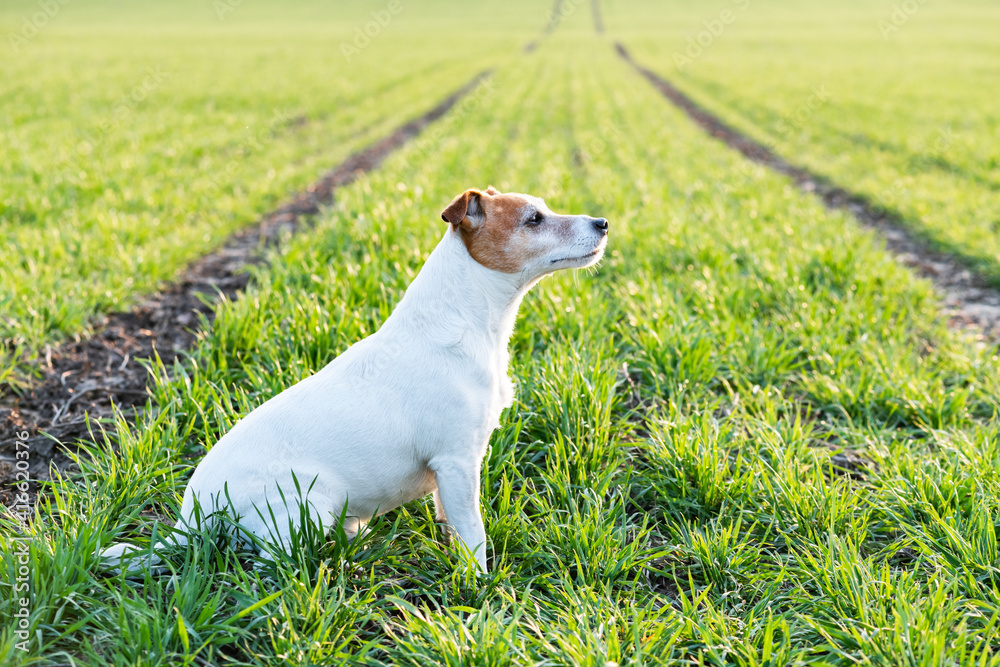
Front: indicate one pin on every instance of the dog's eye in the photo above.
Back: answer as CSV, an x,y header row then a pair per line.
x,y
536,218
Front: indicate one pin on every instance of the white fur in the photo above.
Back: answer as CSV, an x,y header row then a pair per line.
x,y
406,412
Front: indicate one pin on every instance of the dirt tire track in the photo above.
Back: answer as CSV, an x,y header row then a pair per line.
x,y
968,300
88,375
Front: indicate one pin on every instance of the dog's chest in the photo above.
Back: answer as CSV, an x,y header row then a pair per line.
x,y
501,389
478,399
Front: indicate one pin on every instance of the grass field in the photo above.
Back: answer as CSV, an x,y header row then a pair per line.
x,y
154,139
894,103
748,438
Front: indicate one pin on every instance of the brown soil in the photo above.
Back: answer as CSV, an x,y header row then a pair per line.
x,y
968,299
81,379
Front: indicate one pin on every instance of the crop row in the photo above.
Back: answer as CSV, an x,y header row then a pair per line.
x,y
893,101
144,149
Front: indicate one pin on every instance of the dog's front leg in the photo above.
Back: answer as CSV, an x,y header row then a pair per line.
x,y
458,493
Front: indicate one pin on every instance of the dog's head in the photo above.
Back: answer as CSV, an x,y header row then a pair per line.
x,y
516,233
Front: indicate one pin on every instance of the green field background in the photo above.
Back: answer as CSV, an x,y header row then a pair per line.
x,y
747,438
137,136
896,104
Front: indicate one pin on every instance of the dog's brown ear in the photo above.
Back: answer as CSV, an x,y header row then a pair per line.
x,y
492,191
464,210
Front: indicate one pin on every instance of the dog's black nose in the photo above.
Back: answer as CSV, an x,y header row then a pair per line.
x,y
601,224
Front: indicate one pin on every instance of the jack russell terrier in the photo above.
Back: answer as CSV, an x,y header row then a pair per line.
x,y
408,410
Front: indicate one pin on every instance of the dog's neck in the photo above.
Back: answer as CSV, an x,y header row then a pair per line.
x,y
455,300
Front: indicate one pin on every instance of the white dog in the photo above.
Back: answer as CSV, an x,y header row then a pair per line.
x,y
409,410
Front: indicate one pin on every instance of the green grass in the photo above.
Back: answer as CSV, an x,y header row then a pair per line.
x,y
153,140
895,106
666,489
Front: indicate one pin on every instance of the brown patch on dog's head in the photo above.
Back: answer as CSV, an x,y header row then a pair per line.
x,y
489,223
513,232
